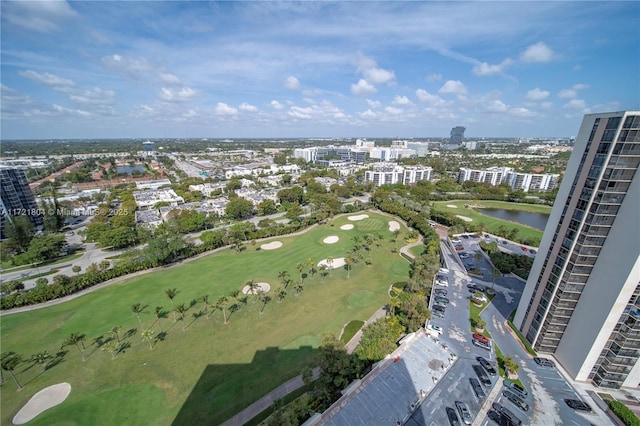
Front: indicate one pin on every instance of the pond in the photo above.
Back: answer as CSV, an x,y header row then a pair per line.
x,y
536,220
130,169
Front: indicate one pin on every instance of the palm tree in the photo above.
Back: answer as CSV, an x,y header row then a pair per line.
x,y
235,293
116,332
511,366
356,241
395,235
220,304
495,273
171,293
478,256
348,261
323,271
298,287
158,311
147,335
207,304
9,361
330,263
265,298
300,268
281,294
284,276
182,309
311,264
137,309
42,357
112,348
75,339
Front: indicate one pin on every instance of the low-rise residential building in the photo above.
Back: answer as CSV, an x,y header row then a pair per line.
x,y
517,181
207,188
391,173
148,219
259,169
493,175
391,153
148,198
153,184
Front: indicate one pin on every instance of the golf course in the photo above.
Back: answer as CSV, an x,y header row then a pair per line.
x,y
143,367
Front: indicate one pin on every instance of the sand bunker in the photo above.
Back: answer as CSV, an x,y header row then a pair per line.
x,y
465,218
452,206
331,240
259,288
271,246
43,400
358,217
394,226
336,263
346,227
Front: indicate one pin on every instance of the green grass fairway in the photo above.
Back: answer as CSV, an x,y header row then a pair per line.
x,y
209,372
491,223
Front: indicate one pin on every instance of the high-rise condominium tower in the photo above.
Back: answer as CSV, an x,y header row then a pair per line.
x,y
457,135
16,198
582,299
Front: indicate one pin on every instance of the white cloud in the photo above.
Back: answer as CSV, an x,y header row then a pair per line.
x,y
41,16
363,88
292,83
393,111
379,76
538,52
302,113
495,105
424,96
537,94
580,86
454,87
276,105
522,112
169,78
486,69
575,104
68,111
177,95
546,105
224,109
401,100
46,78
567,93
95,96
374,104
247,107
434,77
368,114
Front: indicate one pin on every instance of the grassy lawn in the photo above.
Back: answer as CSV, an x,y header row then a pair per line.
x,y
209,372
350,330
492,224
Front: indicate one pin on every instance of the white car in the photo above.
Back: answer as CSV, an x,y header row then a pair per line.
x,y
442,283
434,328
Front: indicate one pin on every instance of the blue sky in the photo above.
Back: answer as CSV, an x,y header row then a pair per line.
x,y
314,69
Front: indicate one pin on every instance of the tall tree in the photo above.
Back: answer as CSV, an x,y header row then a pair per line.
x,y
312,266
348,261
281,294
148,335
137,309
495,273
265,298
171,294
42,358
284,276
76,339
19,232
207,304
182,309
112,348
115,330
159,312
300,268
323,271
9,361
221,305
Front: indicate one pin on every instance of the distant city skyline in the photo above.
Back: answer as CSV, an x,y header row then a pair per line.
x,y
76,70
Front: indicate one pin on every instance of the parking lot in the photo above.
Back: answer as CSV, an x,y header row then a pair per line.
x,y
546,387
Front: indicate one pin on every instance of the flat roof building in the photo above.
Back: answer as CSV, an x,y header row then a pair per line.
x,y
581,302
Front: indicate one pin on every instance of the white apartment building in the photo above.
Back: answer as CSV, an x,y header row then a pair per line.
x,y
148,198
390,153
531,182
152,184
493,175
581,302
390,173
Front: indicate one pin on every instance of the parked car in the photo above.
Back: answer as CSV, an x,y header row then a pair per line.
x,y
545,362
453,417
516,388
464,255
459,248
532,251
477,389
576,404
506,414
442,300
487,365
440,292
504,242
475,287
475,236
465,414
482,375
438,314
442,283
434,328
478,336
524,248
517,401
482,345
439,307
495,416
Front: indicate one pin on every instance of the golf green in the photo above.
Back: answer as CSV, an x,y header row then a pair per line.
x,y
200,370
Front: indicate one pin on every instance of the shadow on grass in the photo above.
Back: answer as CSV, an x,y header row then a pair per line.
x,y
224,390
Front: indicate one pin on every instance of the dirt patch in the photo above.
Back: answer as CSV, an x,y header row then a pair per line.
x,y
358,217
47,398
465,218
346,227
271,246
394,226
331,240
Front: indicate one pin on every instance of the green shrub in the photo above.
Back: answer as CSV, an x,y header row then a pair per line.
x,y
623,413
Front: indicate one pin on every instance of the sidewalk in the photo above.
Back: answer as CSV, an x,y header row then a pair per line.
x,y
266,401
351,344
